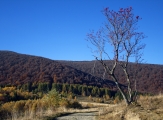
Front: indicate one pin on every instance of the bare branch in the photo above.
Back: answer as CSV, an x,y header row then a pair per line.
x,y
120,33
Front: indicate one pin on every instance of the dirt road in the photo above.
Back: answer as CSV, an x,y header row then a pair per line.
x,y
80,116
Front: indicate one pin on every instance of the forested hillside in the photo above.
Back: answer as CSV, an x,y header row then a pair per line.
x,y
18,69
149,76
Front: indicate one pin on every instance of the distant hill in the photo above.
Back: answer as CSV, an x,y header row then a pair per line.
x,y
18,69
149,80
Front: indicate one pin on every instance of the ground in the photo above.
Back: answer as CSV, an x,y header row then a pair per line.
x,y
147,108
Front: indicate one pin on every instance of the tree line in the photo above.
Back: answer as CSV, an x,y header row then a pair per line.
x,y
35,91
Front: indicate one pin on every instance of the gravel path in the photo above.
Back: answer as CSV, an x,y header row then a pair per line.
x,y
80,116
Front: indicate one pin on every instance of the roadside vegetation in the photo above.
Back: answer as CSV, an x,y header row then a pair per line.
x,y
40,101
147,108
20,102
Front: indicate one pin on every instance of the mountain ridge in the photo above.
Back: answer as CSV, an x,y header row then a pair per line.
x,y
16,68
149,76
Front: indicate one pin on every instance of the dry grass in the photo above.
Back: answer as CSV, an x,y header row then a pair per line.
x,y
151,107
148,108
112,112
50,113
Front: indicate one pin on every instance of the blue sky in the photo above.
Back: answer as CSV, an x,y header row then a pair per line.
x,y
57,29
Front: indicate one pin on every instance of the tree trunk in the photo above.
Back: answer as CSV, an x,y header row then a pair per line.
x,y
121,91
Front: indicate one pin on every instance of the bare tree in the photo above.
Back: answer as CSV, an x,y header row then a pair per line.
x,y
119,35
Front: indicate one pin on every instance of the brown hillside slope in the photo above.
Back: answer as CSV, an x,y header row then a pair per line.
x,y
150,76
20,68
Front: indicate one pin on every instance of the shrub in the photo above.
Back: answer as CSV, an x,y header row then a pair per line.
x,y
52,99
74,104
116,100
19,106
64,103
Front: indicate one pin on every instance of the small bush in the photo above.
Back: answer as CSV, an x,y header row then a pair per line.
x,y
74,104
64,103
116,100
52,99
